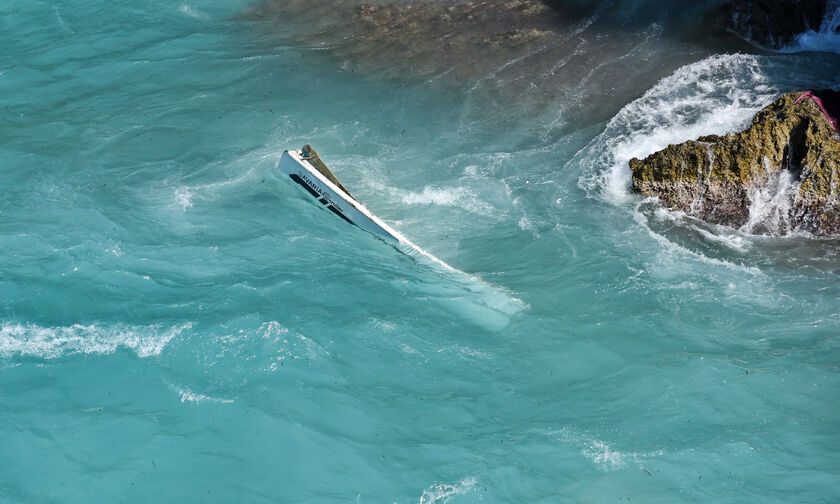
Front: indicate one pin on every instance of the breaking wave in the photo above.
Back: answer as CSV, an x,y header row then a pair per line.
x,y
719,94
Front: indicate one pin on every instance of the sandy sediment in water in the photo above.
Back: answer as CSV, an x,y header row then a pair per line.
x,y
568,60
425,39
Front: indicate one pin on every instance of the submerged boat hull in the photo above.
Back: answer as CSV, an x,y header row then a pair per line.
x,y
492,306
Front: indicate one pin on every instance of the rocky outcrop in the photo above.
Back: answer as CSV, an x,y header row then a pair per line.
x,y
772,23
782,174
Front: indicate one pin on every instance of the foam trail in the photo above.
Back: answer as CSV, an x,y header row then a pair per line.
x,y
54,342
187,395
672,247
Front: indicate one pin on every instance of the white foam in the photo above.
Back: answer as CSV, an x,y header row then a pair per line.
x,y
183,197
736,242
258,163
770,204
409,349
116,250
669,249
599,451
285,344
461,197
525,224
722,234
191,12
53,342
441,493
188,395
383,325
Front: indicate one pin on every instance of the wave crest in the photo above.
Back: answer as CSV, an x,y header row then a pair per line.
x,y
717,94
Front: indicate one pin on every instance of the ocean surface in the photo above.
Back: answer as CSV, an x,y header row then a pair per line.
x,y
180,323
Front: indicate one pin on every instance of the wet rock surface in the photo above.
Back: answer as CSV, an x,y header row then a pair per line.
x,y
780,175
772,23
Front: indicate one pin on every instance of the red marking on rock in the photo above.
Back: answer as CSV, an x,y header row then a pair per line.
x,y
829,103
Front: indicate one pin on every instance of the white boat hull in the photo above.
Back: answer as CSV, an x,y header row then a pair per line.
x,y
336,200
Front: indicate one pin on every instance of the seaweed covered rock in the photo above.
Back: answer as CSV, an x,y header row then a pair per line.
x,y
782,174
772,23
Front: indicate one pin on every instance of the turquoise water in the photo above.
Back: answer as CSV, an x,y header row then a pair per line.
x,y
180,323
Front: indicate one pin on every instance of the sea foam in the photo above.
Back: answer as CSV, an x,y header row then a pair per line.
x,y
53,342
188,395
441,493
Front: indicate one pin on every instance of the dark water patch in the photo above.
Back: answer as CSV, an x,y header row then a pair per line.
x,y
772,23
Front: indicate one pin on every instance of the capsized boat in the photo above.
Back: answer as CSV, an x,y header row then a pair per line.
x,y
306,168
485,304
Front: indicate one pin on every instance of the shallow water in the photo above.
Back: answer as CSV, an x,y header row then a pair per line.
x,y
178,322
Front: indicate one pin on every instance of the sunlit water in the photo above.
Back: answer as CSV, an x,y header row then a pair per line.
x,y
180,323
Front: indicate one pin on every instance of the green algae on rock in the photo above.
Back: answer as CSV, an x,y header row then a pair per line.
x,y
790,154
